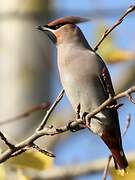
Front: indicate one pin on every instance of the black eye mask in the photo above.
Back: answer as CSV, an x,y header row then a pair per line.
x,y
56,26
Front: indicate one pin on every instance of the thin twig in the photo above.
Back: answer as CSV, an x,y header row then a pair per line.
x,y
115,106
19,152
106,168
111,99
10,145
45,152
127,124
129,96
25,114
44,121
118,22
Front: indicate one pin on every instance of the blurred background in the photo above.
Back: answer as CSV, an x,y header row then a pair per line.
x,y
29,74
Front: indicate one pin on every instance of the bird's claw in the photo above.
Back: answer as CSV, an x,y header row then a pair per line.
x,y
78,111
72,129
76,128
87,121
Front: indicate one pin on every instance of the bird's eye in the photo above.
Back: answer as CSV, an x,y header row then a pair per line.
x,y
58,26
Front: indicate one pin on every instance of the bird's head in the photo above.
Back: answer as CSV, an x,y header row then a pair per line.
x,y
62,29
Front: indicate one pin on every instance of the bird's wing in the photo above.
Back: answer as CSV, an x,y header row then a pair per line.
x,y
106,81
112,136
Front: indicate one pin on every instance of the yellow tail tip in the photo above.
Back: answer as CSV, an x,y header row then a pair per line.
x,y
122,172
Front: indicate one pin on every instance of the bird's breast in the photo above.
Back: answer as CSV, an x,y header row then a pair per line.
x,y
79,80
79,76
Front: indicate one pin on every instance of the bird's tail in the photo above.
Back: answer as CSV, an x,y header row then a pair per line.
x,y
115,145
120,160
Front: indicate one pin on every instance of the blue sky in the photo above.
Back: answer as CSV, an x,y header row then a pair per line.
x,y
91,4
82,146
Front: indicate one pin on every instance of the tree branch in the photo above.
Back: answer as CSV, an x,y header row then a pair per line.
x,y
3,138
44,121
51,131
118,22
45,152
105,172
111,99
25,114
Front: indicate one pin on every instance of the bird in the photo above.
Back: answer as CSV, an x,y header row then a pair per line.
x,y
87,82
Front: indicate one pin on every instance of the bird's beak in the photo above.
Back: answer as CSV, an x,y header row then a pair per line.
x,y
48,31
43,28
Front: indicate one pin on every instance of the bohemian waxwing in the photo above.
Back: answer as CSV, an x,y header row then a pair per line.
x,y
86,81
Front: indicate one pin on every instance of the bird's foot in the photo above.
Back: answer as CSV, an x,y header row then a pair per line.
x,y
76,128
78,109
87,120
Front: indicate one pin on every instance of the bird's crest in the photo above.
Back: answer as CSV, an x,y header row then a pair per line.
x,y
68,20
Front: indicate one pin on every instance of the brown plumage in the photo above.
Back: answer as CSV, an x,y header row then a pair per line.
x,y
68,20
